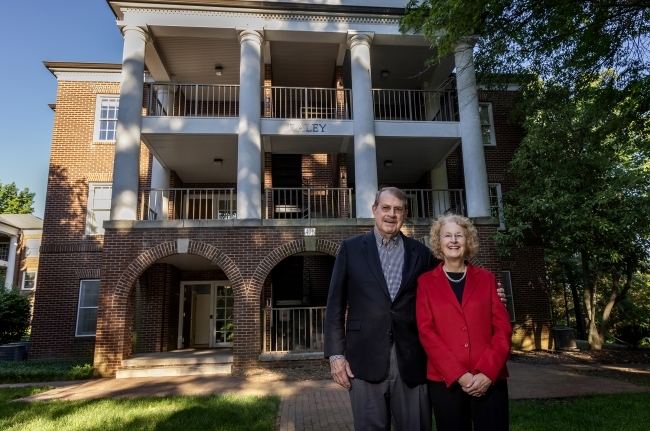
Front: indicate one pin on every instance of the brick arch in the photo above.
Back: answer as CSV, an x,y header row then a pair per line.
x,y
169,248
276,256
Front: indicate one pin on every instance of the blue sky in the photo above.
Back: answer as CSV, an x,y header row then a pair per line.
x,y
33,32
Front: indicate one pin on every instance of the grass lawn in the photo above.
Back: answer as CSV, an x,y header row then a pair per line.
x,y
26,371
217,412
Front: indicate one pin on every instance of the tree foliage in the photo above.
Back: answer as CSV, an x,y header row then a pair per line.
x,y
563,39
14,201
15,315
583,184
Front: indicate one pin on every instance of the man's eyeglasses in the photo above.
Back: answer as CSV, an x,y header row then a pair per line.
x,y
387,208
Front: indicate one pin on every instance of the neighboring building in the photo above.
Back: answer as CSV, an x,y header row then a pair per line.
x,y
20,242
199,191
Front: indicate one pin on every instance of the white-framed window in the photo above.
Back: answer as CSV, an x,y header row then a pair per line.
x,y
29,280
487,123
4,251
106,118
87,308
507,287
32,247
496,204
99,207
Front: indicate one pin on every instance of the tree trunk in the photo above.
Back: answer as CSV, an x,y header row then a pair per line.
x,y
607,312
566,306
590,302
576,307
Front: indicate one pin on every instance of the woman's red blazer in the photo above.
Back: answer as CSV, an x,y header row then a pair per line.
x,y
474,337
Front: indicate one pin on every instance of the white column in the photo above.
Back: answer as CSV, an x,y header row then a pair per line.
x,y
159,199
476,186
11,262
126,169
439,181
365,147
249,141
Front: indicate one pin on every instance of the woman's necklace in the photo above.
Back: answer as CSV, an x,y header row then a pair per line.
x,y
451,279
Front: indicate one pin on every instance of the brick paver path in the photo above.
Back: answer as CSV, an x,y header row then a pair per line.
x,y
323,405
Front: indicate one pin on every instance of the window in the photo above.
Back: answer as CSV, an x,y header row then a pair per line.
x,y
4,251
106,118
487,123
87,310
507,287
99,207
29,280
32,247
496,204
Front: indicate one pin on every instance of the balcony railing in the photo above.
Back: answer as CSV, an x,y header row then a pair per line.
x,y
289,330
193,100
415,105
307,203
428,203
307,103
188,204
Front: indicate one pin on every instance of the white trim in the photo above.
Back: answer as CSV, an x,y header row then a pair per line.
x,y
213,284
493,139
76,325
24,276
78,75
38,251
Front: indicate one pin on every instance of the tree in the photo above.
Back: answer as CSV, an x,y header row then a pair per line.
x,y
15,315
567,40
583,184
14,201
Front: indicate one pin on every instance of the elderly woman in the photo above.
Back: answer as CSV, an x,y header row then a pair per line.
x,y
465,331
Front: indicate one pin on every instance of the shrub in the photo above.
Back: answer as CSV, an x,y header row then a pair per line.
x,y
15,315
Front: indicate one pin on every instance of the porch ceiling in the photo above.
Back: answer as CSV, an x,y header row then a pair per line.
x,y
192,156
411,157
298,59
307,145
188,262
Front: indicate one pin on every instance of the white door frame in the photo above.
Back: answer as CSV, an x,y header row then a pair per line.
x,y
213,303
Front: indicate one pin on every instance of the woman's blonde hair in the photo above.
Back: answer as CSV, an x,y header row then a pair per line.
x,y
470,234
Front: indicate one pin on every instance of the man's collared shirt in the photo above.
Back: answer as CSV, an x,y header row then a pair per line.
x,y
391,256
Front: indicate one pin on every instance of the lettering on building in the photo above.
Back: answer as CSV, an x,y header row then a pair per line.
x,y
307,127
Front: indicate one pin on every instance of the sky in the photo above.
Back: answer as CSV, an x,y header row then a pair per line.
x,y
32,32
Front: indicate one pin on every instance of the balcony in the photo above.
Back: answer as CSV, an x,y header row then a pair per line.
x,y
192,100
415,105
428,203
188,204
307,203
307,103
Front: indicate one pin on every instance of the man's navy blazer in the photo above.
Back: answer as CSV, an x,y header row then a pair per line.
x,y
358,283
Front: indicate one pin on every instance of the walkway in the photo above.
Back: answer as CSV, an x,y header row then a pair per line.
x,y
322,405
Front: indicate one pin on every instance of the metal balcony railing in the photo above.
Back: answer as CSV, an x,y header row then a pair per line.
x,y
188,204
192,100
307,203
415,105
293,329
429,203
307,103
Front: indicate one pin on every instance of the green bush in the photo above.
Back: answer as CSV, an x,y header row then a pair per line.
x,y
27,371
15,315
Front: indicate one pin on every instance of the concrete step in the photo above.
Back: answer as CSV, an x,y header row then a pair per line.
x,y
172,371
166,360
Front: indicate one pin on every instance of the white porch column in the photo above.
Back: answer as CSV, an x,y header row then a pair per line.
x,y
249,141
126,169
11,262
159,200
365,147
476,186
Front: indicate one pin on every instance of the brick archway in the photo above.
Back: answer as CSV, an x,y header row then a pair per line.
x,y
149,257
276,256
113,336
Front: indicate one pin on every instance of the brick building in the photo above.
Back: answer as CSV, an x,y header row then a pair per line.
x,y
20,242
198,191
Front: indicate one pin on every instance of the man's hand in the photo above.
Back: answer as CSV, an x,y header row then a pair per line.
x,y
502,294
340,370
478,385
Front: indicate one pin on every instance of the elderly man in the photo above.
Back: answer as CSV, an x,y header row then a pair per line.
x,y
377,353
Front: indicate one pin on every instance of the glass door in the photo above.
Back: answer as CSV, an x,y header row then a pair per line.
x,y
224,308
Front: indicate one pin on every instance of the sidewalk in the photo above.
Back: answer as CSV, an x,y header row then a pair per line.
x,y
323,405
